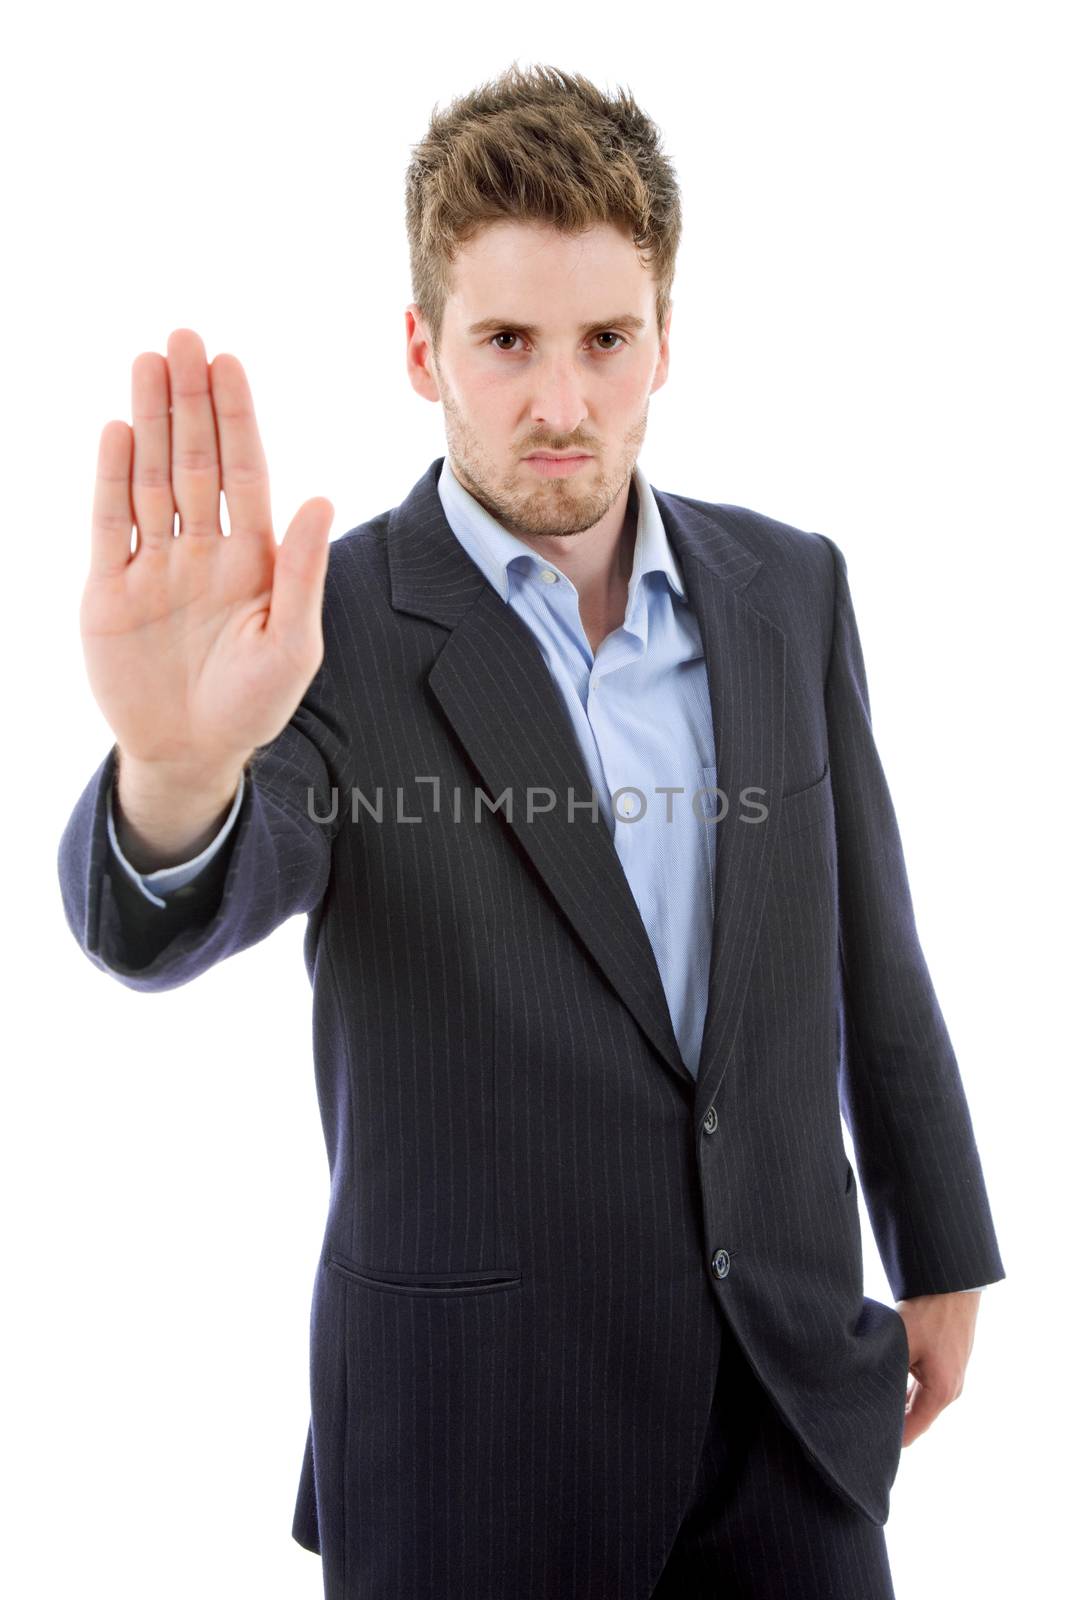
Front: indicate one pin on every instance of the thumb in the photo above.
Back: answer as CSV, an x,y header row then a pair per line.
x,y
300,563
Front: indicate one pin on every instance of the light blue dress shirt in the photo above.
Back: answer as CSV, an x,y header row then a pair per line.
x,y
641,713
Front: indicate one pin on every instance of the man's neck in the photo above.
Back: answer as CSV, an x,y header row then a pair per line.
x,y
603,595
598,561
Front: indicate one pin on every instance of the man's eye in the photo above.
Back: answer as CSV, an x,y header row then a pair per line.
x,y
506,333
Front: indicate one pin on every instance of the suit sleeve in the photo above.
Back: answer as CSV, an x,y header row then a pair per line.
x,y
274,862
899,1083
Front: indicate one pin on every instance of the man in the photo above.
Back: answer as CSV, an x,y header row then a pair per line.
x,y
588,1319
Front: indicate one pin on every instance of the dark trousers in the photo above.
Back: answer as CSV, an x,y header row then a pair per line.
x,y
762,1522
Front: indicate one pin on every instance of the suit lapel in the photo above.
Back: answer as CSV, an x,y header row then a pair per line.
x,y
491,682
745,657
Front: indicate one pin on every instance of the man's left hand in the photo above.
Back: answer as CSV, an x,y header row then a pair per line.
x,y
940,1330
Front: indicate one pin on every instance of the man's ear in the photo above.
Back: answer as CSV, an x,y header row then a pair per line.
x,y
663,364
420,362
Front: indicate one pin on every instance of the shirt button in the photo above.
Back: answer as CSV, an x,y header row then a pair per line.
x,y
548,576
720,1263
711,1121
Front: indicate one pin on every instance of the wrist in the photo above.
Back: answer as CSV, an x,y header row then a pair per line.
x,y
194,776
166,812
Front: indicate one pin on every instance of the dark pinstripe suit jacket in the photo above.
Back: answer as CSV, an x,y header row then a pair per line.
x,y
536,1216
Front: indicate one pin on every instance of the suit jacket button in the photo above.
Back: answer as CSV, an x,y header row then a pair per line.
x,y
711,1121
720,1263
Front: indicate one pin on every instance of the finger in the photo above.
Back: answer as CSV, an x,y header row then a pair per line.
x,y
194,450
244,464
112,526
153,500
299,575
922,1406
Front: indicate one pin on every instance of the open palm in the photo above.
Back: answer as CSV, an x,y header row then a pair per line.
x,y
199,646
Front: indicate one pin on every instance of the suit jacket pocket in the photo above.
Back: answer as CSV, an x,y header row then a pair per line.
x,y
805,807
426,1283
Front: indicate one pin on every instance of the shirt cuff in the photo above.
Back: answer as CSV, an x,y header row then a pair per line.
x,y
164,880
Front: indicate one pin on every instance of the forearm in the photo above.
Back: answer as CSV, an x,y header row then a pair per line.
x,y
166,814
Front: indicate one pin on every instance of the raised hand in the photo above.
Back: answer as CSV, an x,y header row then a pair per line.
x,y
199,646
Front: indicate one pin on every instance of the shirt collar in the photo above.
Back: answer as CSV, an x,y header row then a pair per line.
x,y
496,551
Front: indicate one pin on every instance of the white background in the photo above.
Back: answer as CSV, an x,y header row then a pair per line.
x,y
867,340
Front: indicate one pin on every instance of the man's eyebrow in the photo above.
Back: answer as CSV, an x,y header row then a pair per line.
x,y
627,320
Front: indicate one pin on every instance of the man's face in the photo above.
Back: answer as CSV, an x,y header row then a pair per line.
x,y
580,381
